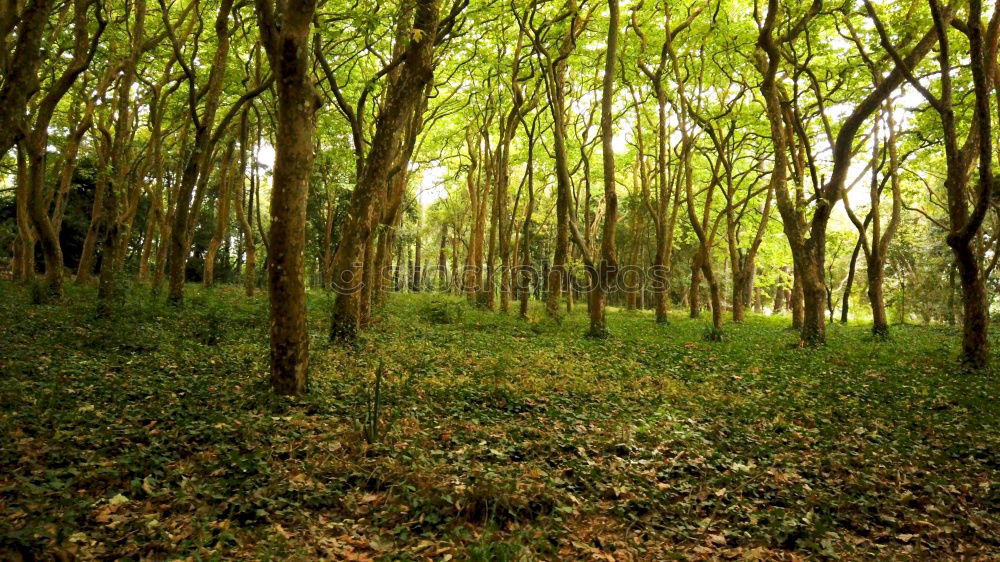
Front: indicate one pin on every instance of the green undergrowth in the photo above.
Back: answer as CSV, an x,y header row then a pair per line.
x,y
152,434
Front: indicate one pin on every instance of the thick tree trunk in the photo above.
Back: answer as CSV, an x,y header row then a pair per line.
x,y
38,210
811,299
22,79
975,308
287,47
796,301
24,245
739,306
715,293
876,279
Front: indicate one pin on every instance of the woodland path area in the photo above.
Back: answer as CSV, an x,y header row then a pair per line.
x,y
154,434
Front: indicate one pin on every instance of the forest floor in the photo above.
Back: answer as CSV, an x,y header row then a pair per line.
x,y
153,434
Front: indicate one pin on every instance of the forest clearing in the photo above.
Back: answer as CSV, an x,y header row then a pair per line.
x,y
499,279
155,435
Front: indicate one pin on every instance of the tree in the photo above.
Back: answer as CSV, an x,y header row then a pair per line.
x,y
415,70
286,43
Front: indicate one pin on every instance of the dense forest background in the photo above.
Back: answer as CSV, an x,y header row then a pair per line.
x,y
825,159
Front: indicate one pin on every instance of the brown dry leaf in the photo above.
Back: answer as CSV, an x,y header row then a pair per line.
x,y
281,531
380,543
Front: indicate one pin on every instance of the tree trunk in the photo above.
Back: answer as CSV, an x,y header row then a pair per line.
x,y
287,48
22,79
243,214
221,215
852,269
417,271
607,266
24,245
38,211
185,210
442,263
403,94
694,297
328,243
556,84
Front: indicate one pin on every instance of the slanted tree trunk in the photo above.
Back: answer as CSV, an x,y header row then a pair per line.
x,y
526,273
877,248
849,282
195,169
478,189
807,238
964,225
21,76
36,142
404,93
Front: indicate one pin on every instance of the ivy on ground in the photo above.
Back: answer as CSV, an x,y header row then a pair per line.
x,y
152,434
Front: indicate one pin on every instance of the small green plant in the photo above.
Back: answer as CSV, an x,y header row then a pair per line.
x,y
39,292
210,319
373,408
712,334
496,378
440,311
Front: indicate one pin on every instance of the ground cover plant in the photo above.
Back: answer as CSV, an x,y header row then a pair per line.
x,y
152,433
